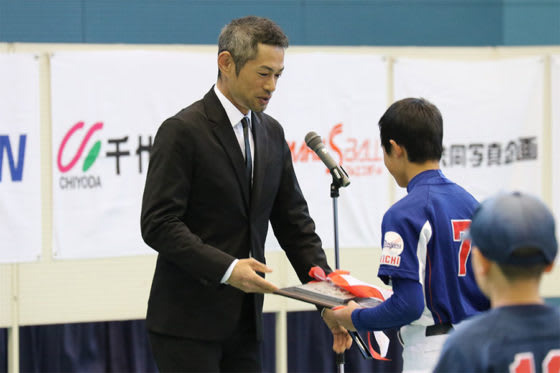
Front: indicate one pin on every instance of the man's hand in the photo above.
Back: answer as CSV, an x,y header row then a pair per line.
x,y
341,338
244,277
342,316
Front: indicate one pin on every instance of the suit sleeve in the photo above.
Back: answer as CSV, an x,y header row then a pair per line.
x,y
292,224
165,202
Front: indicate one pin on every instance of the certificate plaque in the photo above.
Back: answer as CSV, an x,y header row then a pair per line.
x,y
324,294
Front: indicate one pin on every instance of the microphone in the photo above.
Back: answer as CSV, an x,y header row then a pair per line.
x,y
339,175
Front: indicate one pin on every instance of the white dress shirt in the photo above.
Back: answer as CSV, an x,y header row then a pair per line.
x,y
235,116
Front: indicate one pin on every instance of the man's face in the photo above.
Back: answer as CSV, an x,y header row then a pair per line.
x,y
253,87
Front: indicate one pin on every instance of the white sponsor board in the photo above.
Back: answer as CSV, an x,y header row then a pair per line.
x,y
108,105
106,109
493,118
340,97
20,161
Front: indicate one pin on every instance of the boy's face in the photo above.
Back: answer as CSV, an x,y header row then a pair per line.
x,y
480,269
393,163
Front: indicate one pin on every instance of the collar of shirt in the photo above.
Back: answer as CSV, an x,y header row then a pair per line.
x,y
422,177
235,116
233,113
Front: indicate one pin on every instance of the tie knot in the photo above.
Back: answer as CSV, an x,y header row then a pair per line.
x,y
245,122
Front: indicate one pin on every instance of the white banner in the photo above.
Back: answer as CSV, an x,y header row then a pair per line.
x,y
493,118
20,168
106,108
340,97
555,104
107,105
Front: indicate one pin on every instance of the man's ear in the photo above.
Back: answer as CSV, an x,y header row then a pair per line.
x,y
225,63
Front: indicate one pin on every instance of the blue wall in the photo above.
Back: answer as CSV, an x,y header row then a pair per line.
x,y
307,22
531,22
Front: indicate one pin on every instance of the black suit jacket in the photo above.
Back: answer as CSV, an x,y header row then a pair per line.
x,y
199,214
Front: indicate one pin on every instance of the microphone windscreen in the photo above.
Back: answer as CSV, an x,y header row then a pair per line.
x,y
313,140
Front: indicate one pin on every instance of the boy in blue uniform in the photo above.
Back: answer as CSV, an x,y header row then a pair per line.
x,y
425,253
514,242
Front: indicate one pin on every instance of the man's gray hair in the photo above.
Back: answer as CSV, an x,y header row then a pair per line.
x,y
242,36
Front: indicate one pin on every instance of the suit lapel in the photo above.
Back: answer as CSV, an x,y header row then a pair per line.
x,y
259,166
224,133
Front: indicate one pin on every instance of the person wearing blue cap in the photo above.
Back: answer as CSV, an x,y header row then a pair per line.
x,y
514,243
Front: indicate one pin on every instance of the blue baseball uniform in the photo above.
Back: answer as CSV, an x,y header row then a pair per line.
x,y
423,241
523,338
426,259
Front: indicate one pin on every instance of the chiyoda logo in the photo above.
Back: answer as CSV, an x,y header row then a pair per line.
x,y
74,152
358,156
81,181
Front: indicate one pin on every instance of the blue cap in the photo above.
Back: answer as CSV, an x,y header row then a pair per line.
x,y
510,221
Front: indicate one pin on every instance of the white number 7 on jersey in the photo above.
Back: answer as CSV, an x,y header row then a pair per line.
x,y
460,227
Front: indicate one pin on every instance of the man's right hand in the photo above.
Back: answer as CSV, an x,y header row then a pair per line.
x,y
244,277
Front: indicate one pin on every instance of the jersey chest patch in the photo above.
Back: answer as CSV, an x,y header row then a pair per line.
x,y
393,246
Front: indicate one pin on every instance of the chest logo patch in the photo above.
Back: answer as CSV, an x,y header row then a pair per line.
x,y
393,246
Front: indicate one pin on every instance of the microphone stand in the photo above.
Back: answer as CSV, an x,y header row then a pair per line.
x,y
335,186
366,354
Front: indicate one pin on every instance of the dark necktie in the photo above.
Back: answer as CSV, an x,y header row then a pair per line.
x,y
248,159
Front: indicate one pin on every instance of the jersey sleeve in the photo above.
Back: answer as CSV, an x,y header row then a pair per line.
x,y
400,236
403,307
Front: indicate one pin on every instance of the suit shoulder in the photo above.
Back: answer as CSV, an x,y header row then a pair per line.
x,y
267,120
185,119
193,113
271,124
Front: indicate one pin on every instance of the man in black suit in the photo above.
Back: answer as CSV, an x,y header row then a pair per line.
x,y
213,184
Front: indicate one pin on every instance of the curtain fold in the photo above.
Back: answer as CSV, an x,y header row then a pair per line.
x,y
123,346
310,348
115,346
